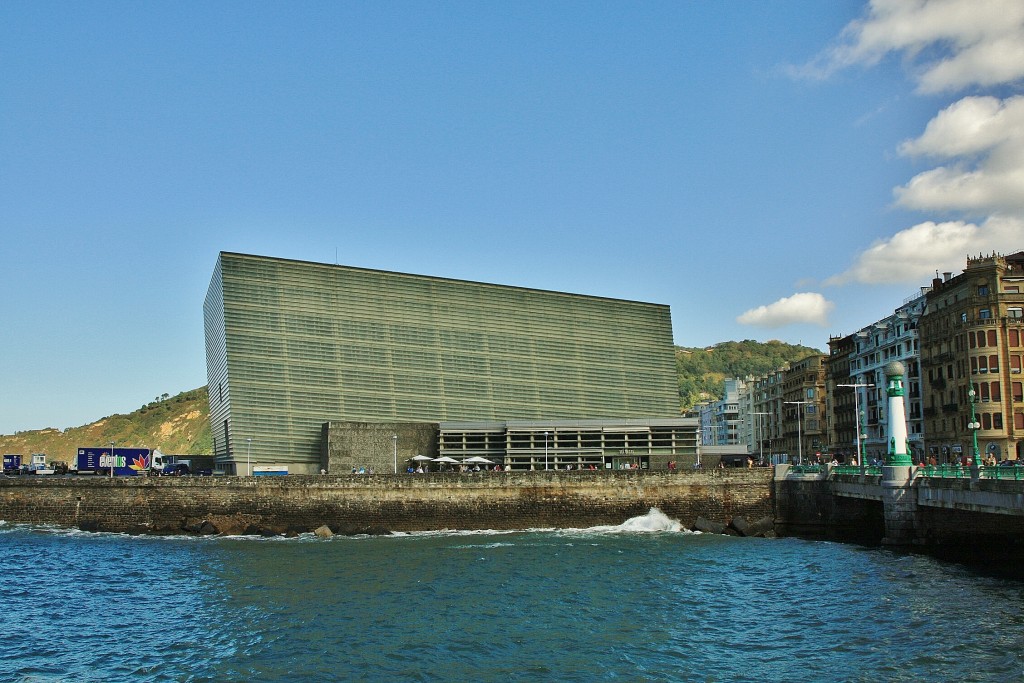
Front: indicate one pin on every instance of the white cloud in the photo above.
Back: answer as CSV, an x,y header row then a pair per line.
x,y
913,255
991,133
952,44
803,307
948,45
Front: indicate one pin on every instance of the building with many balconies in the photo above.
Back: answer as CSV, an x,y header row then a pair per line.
x,y
972,344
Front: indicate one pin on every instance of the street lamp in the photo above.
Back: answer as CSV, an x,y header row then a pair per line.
x,y
760,436
545,450
799,435
394,441
974,426
248,452
856,407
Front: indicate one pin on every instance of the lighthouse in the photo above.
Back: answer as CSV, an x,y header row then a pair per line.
x,y
899,447
898,500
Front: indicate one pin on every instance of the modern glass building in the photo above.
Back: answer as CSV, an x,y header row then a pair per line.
x,y
292,345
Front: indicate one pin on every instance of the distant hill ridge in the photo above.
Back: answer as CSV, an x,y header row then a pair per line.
x,y
174,424
181,424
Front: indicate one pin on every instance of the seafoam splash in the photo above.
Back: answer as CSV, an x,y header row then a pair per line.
x,y
655,521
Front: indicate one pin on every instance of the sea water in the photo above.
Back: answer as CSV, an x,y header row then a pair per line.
x,y
643,601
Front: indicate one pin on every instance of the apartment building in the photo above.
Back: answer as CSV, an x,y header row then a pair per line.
x,y
972,344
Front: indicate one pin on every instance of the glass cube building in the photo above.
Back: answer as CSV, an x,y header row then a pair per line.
x,y
292,345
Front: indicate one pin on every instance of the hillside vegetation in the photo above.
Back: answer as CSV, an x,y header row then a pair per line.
x,y
181,425
174,424
702,372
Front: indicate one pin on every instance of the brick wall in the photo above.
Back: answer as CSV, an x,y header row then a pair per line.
x,y
352,504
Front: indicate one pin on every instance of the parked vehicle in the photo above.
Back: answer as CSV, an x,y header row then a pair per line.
x,y
12,464
125,461
176,469
39,466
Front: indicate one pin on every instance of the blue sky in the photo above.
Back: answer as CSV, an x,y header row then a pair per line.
x,y
772,170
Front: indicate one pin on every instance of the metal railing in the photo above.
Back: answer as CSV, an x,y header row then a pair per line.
x,y
1013,472
872,470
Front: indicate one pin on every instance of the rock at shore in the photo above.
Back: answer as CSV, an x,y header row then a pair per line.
x,y
323,531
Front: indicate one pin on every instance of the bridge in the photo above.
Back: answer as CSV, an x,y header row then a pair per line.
x,y
932,505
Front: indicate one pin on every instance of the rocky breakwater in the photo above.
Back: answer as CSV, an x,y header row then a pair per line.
x,y
350,504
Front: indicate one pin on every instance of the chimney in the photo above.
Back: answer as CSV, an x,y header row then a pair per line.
x,y
946,277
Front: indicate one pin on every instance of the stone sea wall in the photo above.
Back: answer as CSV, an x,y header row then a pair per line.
x,y
380,503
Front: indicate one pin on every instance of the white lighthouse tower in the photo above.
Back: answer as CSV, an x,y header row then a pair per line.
x,y
899,447
898,499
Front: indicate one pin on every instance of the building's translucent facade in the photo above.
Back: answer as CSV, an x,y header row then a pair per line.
x,y
291,345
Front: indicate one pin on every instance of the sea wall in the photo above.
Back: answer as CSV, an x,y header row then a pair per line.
x,y
376,503
808,508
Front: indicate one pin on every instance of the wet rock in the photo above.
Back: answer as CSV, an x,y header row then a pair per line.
x,y
323,531
706,526
740,524
761,527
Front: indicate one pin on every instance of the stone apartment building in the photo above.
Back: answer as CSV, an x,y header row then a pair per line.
x,y
972,339
803,409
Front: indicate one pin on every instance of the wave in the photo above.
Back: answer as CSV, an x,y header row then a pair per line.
x,y
653,522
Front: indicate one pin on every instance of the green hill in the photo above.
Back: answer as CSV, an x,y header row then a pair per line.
x,y
702,372
180,424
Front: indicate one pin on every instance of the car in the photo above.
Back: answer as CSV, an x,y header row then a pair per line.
x,y
177,469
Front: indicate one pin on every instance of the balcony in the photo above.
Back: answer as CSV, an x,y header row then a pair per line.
x,y
950,407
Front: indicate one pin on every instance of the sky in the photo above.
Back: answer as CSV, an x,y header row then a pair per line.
x,y
788,170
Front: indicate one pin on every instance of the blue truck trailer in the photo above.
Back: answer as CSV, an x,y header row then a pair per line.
x,y
125,461
12,464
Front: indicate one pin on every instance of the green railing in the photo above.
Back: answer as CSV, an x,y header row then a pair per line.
x,y
855,469
945,471
1015,472
1012,472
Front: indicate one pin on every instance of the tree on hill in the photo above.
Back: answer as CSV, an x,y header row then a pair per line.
x,y
702,371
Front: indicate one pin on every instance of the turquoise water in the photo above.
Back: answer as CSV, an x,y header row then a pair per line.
x,y
605,604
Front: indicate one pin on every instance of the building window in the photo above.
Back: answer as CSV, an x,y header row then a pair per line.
x,y
983,290
986,421
996,392
985,314
993,363
1015,312
1014,337
992,338
981,338
1015,363
1018,391
997,420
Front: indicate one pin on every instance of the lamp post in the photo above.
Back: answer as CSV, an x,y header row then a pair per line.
x,y
974,426
112,458
760,437
545,451
799,435
248,452
859,416
394,442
